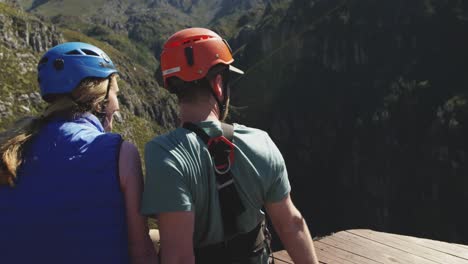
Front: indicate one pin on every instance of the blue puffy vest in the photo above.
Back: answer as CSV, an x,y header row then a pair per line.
x,y
67,206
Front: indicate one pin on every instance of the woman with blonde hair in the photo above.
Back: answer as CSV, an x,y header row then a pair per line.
x,y
69,190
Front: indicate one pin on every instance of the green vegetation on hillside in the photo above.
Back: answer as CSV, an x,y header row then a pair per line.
x,y
53,7
11,11
140,94
139,28
18,82
136,128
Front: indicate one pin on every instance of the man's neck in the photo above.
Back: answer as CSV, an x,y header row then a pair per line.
x,y
196,113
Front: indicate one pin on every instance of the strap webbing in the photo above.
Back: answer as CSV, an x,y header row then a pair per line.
x,y
199,131
229,200
228,131
243,248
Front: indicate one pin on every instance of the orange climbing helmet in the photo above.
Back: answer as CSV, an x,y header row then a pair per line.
x,y
190,53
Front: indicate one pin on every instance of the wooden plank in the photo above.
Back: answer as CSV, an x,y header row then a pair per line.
x,y
373,250
392,253
338,255
362,246
331,259
464,247
282,257
408,247
326,255
451,249
367,253
327,260
280,261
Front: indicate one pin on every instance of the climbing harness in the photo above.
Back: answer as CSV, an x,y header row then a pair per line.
x,y
222,153
241,248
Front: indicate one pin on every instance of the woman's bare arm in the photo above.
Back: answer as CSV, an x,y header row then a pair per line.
x,y
131,182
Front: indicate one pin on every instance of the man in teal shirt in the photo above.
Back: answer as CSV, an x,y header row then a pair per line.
x,y
181,187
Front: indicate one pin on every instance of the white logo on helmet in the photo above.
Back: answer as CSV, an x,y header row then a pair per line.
x,y
105,57
171,70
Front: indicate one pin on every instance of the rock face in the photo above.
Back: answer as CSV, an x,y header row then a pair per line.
x,y
146,109
13,3
22,39
141,23
368,103
19,33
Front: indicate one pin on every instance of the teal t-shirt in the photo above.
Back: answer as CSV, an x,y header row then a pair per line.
x,y
180,177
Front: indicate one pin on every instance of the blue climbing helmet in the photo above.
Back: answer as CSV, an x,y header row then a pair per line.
x,y
64,66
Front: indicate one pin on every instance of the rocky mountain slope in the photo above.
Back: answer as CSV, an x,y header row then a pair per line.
x,y
140,27
131,32
368,102
22,38
147,109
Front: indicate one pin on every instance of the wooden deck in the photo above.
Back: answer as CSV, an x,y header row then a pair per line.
x,y
370,247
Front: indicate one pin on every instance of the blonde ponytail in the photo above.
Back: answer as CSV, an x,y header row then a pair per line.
x,y
88,96
12,143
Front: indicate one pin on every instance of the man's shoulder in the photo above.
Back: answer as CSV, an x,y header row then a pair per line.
x,y
250,131
177,143
168,137
250,135
161,150
256,141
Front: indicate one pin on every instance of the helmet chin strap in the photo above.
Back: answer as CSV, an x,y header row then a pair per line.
x,y
102,114
223,105
226,103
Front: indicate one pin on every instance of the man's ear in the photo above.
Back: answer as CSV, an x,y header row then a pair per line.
x,y
217,85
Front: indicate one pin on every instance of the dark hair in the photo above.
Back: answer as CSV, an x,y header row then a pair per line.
x,y
189,92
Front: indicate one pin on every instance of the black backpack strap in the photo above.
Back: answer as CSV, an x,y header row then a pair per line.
x,y
228,131
197,130
222,151
243,248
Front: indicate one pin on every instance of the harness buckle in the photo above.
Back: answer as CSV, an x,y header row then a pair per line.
x,y
223,169
222,153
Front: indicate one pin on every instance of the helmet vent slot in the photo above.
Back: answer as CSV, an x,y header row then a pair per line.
x,y
73,52
90,52
189,55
